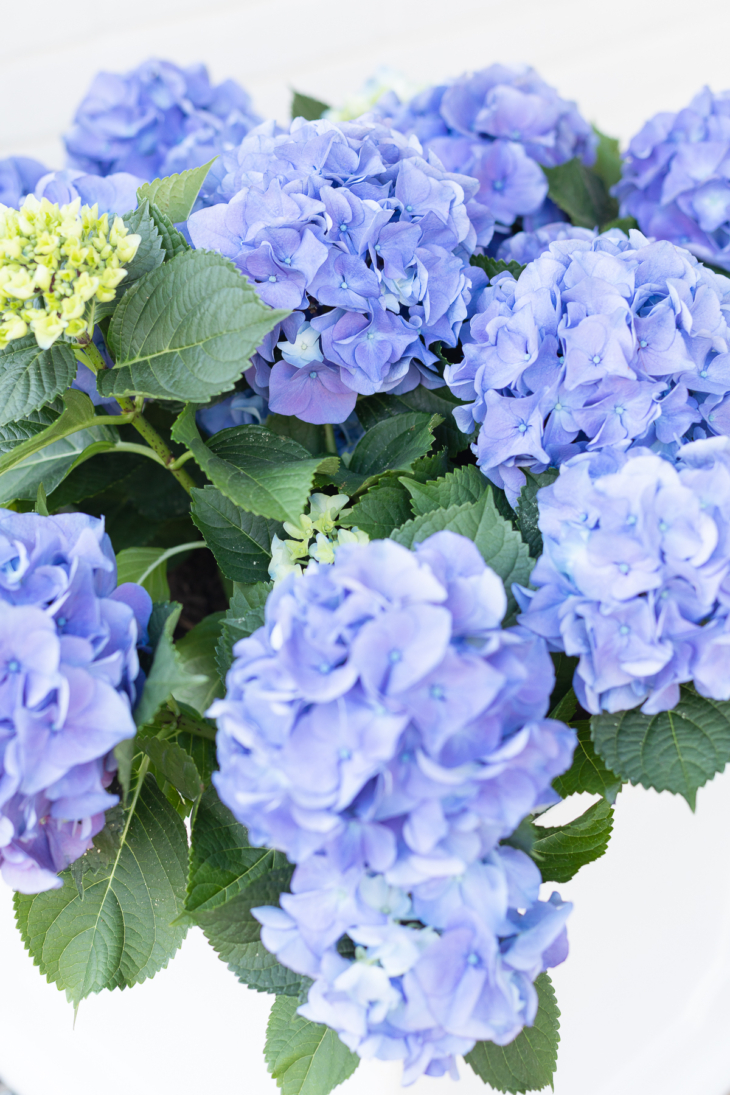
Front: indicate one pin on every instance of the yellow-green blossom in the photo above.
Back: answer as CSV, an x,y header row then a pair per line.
x,y
54,260
289,556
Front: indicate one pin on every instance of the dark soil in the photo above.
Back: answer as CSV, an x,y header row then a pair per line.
x,y
196,584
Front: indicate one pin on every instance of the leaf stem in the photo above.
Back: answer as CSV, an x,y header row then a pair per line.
x,y
168,555
90,355
330,445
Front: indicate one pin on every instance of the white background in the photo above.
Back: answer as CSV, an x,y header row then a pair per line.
x,y
645,995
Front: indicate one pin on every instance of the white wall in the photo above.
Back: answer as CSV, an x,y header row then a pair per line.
x,y
645,995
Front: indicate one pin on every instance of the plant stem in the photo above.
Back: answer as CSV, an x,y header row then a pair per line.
x,y
91,357
330,445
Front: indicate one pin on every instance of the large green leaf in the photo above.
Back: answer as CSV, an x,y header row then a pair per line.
x,y
587,773
501,547
173,242
527,511
494,267
581,193
170,763
227,878
50,464
175,194
304,106
256,469
95,476
304,1058
376,408
186,330
240,540
122,932
30,377
150,253
608,159
528,1063
384,508
13,434
78,414
168,672
561,850
245,615
677,750
181,747
196,652
142,565
463,485
393,444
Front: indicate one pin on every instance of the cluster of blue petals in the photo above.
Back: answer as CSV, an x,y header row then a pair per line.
x,y
499,125
676,177
635,575
364,240
384,732
157,120
601,343
68,665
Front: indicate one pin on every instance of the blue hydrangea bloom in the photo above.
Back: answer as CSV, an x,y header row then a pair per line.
x,y
675,177
116,193
601,343
384,732
156,120
524,247
18,178
68,665
635,575
368,244
499,125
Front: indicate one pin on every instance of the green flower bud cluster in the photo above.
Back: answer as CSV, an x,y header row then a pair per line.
x,y
53,261
320,525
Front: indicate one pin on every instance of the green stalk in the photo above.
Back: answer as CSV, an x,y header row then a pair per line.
x,y
330,445
91,357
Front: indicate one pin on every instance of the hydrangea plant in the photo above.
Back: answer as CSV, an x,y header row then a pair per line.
x,y
340,540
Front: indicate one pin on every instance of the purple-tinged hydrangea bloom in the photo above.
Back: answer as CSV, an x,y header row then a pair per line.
x,y
601,343
384,732
676,177
115,193
239,409
499,125
18,178
156,120
635,575
68,665
364,240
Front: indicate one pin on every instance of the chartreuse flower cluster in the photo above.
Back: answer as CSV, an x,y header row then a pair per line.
x,y
68,666
320,525
54,260
386,733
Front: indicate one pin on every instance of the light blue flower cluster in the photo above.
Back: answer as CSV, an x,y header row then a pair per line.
x,y
599,343
68,665
499,125
156,120
635,575
384,732
525,247
676,177
18,178
366,242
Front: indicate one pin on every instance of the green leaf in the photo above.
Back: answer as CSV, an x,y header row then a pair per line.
x,y
31,377
265,474
178,724
627,223
463,485
92,477
49,464
186,330
608,159
122,932
393,445
227,879
561,850
376,408
306,434
384,508
304,1058
240,540
172,764
527,512
196,652
587,773
13,434
167,673
150,254
500,546
494,267
245,615
78,414
581,194
173,242
141,565
677,750
304,106
175,195
528,1063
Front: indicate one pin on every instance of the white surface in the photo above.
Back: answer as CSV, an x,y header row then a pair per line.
x,y
645,994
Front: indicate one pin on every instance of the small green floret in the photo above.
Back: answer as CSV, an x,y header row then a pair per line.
x,y
54,260
289,556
